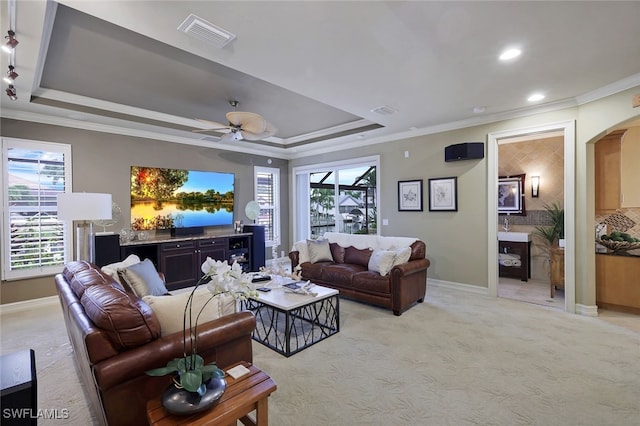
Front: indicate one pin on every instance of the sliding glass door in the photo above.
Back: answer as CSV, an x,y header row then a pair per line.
x,y
336,198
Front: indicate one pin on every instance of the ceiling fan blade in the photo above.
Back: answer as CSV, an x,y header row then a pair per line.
x,y
248,121
214,124
210,130
269,131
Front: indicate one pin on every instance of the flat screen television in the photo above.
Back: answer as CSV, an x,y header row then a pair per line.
x,y
170,199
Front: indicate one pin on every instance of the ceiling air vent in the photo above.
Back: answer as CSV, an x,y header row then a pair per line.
x,y
384,110
204,30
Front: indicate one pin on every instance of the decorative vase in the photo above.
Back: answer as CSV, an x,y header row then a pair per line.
x,y
183,403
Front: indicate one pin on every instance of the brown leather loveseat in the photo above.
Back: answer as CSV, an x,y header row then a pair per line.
x,y
116,338
348,266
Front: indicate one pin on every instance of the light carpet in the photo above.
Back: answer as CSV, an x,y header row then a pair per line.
x,y
457,359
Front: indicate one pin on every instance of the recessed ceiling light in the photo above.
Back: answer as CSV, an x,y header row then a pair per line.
x,y
478,109
535,97
510,54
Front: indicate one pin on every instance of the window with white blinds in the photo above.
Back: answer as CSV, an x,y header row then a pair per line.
x,y
33,238
267,194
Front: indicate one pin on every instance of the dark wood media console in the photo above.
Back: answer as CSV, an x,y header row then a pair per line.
x,y
180,258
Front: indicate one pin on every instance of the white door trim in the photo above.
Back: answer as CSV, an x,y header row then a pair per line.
x,y
568,129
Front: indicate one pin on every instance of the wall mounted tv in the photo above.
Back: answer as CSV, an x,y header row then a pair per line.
x,y
184,200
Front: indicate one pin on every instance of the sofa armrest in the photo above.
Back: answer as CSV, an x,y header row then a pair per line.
x,y
133,363
295,259
411,267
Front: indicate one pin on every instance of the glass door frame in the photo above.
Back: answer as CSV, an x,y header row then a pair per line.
x,y
300,195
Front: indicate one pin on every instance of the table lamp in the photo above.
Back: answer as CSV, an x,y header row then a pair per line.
x,y
84,207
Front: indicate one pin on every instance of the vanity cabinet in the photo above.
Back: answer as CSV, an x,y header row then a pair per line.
x,y
515,249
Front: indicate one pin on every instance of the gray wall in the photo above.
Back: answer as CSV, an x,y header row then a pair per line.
x,y
102,162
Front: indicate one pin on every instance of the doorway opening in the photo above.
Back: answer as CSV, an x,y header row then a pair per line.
x,y
522,227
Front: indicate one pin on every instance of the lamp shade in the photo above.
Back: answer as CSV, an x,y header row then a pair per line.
x,y
84,206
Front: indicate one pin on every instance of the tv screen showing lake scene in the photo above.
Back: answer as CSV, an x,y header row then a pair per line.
x,y
173,198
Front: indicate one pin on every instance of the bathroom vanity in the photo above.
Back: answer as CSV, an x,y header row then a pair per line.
x,y
514,255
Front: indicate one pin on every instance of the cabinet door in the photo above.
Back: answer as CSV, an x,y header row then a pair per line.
x,y
215,248
607,173
178,262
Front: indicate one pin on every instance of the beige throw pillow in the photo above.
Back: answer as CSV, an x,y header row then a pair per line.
x,y
402,256
319,251
112,269
169,310
381,261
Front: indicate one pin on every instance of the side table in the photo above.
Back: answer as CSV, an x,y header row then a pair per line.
x,y
242,396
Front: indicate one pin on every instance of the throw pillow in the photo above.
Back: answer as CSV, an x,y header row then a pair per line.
x,y
337,252
381,261
142,279
357,256
319,251
112,269
402,256
303,251
170,309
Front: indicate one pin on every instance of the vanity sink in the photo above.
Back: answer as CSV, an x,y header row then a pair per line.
x,y
515,237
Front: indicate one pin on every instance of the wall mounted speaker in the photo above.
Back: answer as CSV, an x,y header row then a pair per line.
x,y
464,151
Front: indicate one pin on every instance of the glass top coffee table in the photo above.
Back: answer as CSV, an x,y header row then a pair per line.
x,y
289,322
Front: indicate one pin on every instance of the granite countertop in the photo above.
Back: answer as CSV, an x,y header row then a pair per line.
x,y
630,253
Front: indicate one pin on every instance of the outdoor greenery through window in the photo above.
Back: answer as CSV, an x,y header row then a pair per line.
x,y
356,211
267,194
33,237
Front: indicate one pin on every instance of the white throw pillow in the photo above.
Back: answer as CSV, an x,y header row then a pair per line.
x,y
381,261
402,256
170,309
319,251
303,251
143,279
112,269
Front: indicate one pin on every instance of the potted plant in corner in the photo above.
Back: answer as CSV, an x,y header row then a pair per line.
x,y
197,386
554,236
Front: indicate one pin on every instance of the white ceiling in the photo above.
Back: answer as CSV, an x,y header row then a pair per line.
x,y
316,70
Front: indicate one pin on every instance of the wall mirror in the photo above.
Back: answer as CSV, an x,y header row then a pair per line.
x,y
511,195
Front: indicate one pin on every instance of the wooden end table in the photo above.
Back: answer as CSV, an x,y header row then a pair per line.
x,y
242,396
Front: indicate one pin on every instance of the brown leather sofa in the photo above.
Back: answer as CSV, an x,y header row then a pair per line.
x,y
401,288
116,338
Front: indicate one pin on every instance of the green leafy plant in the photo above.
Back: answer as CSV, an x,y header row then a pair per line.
x,y
556,231
192,372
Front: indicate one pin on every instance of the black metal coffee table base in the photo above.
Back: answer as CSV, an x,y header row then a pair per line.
x,y
288,331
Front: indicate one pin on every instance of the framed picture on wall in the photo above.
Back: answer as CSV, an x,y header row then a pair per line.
x,y
443,194
410,195
511,195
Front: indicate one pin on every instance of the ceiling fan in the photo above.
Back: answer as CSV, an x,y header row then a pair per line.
x,y
242,126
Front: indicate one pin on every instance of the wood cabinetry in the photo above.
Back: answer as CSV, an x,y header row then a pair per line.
x,y
180,260
607,173
618,282
520,249
630,168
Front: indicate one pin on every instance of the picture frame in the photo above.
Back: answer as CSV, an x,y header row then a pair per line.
x,y
410,195
511,195
443,194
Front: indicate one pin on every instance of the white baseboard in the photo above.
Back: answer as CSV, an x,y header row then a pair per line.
x,y
458,286
28,304
587,310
